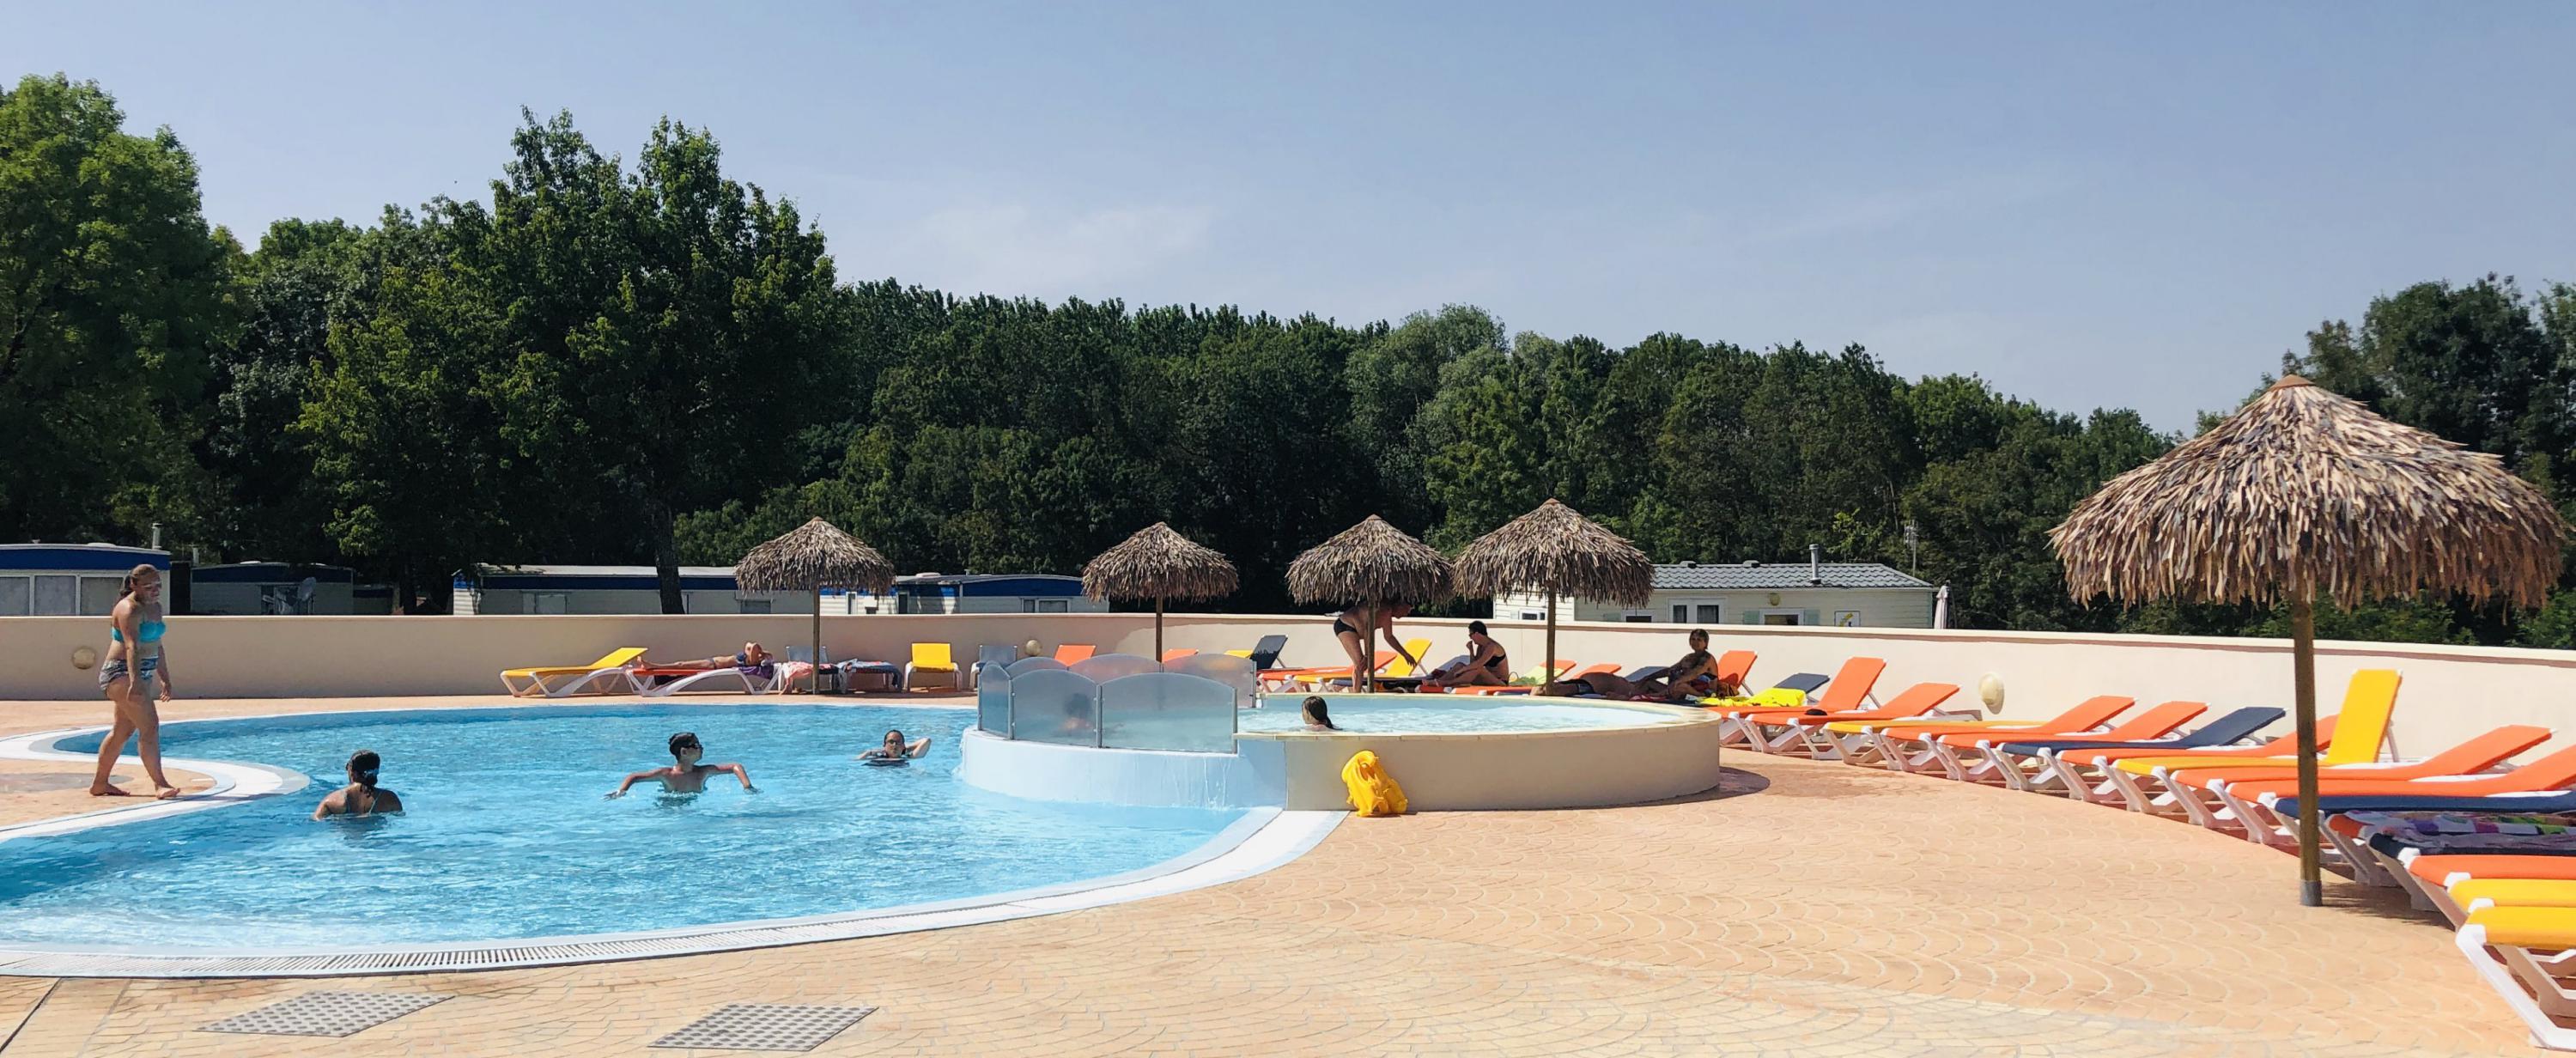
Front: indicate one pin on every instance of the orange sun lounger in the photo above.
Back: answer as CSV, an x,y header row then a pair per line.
x,y
1846,692
1805,732
2231,795
1916,747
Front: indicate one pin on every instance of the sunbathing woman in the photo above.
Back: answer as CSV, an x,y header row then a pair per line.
x,y
1487,665
362,797
751,656
1693,676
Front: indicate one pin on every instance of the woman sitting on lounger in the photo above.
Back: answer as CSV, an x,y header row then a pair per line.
x,y
1486,665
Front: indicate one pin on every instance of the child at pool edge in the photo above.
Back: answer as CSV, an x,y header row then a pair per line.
x,y
1313,713
686,775
895,748
362,797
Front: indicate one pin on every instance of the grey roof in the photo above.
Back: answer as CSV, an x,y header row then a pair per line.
x,y
1778,576
978,578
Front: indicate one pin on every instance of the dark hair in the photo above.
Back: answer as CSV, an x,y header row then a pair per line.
x,y
894,732
1475,628
685,738
130,574
1699,633
363,766
1313,711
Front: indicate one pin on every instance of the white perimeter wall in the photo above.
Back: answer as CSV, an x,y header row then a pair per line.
x,y
2450,693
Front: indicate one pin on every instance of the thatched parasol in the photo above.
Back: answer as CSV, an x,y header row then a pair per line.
x,y
1372,564
1560,552
2305,495
1158,563
811,557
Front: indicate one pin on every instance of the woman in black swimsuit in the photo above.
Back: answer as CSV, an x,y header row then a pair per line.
x,y
1347,626
1487,665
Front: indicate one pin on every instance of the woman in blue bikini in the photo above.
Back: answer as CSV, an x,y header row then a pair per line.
x,y
136,666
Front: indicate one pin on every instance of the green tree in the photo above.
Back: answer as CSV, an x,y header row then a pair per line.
x,y
113,294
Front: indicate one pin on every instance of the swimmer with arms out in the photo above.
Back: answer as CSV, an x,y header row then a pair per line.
x,y
685,775
896,750
362,797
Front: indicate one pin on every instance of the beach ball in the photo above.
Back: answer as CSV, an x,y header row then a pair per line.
x,y
1991,689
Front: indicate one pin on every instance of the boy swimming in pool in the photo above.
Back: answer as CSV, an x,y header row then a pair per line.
x,y
686,775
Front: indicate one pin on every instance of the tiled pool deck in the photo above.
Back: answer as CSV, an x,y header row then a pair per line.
x,y
1816,910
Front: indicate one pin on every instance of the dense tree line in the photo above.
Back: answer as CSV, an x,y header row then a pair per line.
x,y
651,362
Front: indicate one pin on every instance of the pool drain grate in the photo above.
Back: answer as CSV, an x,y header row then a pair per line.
x,y
766,1027
327,1013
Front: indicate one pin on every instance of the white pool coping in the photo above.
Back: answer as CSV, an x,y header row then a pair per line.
x,y
1264,839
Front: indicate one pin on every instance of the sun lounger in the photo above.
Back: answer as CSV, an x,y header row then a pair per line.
x,y
1532,688
931,664
1072,653
2522,953
991,656
735,679
606,674
1805,734
1731,713
2534,787
1917,747
1414,682
2229,799
1177,653
1265,651
2360,728
1284,679
1848,691
2033,765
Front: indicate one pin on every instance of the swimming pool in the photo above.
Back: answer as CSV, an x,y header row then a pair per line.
x,y
1448,714
507,835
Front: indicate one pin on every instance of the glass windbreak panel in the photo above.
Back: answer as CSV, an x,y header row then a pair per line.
x,y
1234,672
988,654
1024,666
1106,667
1167,710
1052,705
993,702
57,596
17,596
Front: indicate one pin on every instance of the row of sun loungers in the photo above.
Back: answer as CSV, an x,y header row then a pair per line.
x,y
2489,846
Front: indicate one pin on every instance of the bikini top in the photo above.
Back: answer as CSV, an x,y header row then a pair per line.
x,y
152,632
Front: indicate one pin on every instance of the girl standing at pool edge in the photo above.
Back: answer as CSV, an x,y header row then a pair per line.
x,y
134,667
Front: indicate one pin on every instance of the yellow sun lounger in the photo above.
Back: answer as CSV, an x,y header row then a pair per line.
x,y
2520,952
596,676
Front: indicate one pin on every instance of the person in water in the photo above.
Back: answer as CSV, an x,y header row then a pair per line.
x,y
895,748
1350,627
685,775
1317,718
1486,665
362,797
135,667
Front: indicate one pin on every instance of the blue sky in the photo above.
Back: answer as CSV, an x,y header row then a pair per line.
x,y
2089,206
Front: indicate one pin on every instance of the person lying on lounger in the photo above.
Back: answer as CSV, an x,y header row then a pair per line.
x,y
751,656
1691,677
685,775
362,797
896,750
1486,665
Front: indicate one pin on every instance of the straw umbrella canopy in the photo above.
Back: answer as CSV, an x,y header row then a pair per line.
x,y
1373,564
1158,563
2305,496
811,557
1561,552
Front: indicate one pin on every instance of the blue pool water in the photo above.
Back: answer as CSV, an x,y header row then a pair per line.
x,y
1446,714
507,834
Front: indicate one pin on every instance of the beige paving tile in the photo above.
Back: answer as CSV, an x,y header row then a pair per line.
x,y
1835,911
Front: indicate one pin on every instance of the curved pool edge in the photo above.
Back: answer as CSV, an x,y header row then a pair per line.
x,y
234,782
1263,840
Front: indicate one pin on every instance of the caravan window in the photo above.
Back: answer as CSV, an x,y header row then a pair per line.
x,y
542,602
17,596
755,606
57,596
1053,606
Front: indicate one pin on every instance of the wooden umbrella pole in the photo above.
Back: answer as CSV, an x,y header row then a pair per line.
x,y
1547,662
2303,655
1158,630
817,685
1364,675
